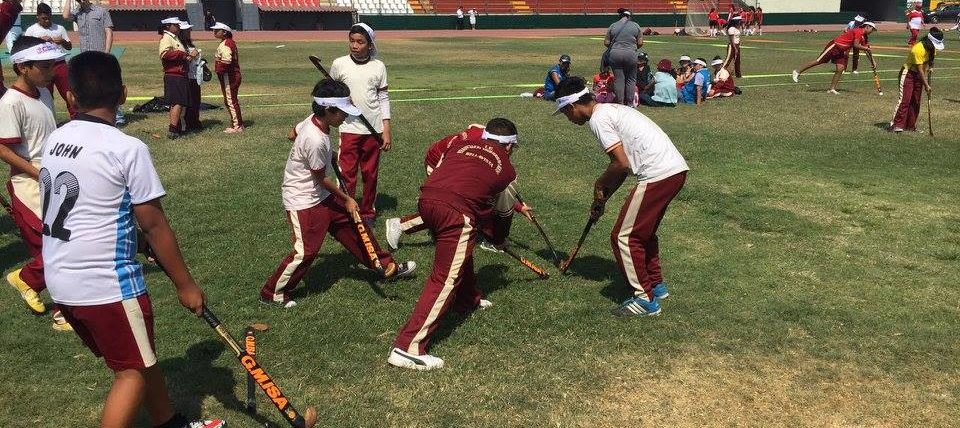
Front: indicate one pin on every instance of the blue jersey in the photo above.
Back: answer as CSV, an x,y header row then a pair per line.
x,y
548,85
689,92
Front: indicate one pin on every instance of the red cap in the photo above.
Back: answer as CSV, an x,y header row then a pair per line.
x,y
665,65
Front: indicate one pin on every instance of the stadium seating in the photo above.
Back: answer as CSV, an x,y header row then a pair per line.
x,y
563,6
30,6
298,5
388,7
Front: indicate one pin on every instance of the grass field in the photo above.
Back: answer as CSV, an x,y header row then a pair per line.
x,y
812,257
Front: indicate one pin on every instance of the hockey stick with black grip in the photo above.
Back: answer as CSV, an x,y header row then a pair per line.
x,y
306,419
527,263
533,218
376,135
358,224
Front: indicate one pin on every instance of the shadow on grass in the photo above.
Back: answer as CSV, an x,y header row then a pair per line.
x,y
882,125
11,255
328,269
194,376
385,202
490,278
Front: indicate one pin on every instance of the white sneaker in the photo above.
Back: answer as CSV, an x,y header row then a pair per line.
x,y
486,246
485,304
796,76
855,72
833,91
403,270
206,423
423,362
393,232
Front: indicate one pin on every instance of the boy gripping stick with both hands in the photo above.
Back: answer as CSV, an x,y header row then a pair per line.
x,y
315,204
456,203
26,120
506,202
366,76
635,144
836,52
99,184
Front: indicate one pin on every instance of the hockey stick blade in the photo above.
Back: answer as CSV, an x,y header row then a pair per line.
x,y
527,263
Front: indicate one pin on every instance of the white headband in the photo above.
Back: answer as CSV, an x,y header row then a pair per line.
x,y
684,58
700,62
42,52
373,37
169,21
342,103
220,26
717,62
503,139
870,24
570,99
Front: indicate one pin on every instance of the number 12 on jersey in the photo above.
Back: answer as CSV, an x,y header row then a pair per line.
x,y
63,180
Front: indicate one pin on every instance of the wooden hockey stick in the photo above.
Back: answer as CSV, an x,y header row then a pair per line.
x,y
358,224
527,263
533,218
250,345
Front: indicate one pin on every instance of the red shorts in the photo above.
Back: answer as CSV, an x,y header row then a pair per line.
x,y
120,332
833,53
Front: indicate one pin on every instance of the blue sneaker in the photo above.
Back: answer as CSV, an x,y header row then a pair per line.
x,y
637,307
660,291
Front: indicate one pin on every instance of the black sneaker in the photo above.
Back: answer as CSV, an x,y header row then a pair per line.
x,y
172,135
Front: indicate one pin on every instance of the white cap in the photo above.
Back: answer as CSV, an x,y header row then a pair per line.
x,y
937,44
569,99
220,26
717,62
870,24
684,58
172,20
342,103
42,52
184,25
700,62
859,18
369,30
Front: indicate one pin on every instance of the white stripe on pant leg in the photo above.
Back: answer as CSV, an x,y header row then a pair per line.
x,y
131,307
284,278
410,224
903,79
826,51
623,238
459,256
228,97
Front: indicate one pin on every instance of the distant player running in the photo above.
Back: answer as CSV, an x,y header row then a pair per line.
x,y
506,202
634,144
98,186
836,52
456,204
315,204
26,120
914,22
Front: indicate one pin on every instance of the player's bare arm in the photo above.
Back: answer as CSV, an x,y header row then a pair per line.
x,y
160,237
109,38
17,162
65,13
610,180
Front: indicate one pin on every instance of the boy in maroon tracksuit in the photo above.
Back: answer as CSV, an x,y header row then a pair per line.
x,y
456,202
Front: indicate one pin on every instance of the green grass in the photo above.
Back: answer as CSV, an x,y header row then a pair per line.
x,y
812,258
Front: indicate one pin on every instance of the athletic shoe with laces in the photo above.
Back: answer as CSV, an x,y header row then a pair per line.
x,y
485,304
855,72
394,232
796,76
286,304
637,307
403,270
206,423
60,323
30,297
660,291
405,360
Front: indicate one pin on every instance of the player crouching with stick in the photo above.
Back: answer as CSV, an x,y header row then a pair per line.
x,y
315,204
914,79
634,144
98,185
836,52
456,202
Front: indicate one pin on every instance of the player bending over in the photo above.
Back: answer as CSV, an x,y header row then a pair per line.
x,y
634,144
315,204
506,202
456,204
836,52
26,120
99,184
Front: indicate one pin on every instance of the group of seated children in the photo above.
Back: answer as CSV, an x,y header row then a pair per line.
x,y
690,83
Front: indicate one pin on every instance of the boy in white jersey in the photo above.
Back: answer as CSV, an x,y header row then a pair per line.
x,y
366,76
26,119
315,204
635,144
98,184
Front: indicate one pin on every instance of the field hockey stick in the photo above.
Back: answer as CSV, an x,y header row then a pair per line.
x,y
527,263
358,225
533,218
376,135
929,116
576,249
250,345
306,420
876,76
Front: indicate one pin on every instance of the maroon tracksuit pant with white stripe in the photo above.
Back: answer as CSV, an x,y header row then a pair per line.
x,y
908,109
31,230
310,227
360,152
733,55
230,85
634,237
452,280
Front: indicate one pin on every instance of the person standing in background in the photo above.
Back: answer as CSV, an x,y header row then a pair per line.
x,y
227,67
48,31
622,41
473,19
209,20
15,31
191,116
914,22
459,17
95,28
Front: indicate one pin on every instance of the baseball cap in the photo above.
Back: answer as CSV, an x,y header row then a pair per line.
x,y
565,58
342,103
870,24
665,65
220,26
